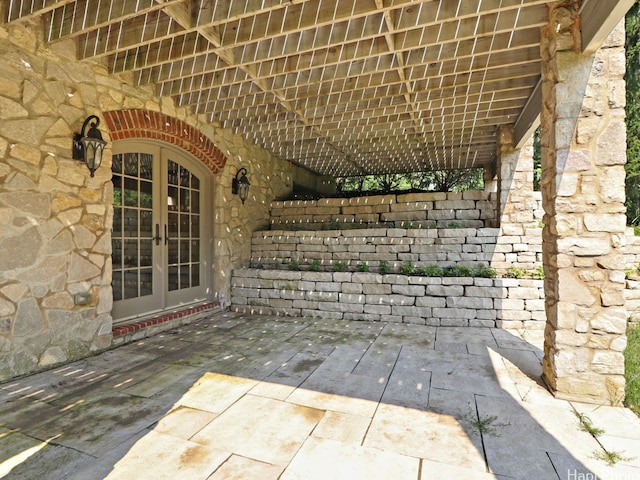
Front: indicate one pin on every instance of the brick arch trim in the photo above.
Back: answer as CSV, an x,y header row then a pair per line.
x,y
130,124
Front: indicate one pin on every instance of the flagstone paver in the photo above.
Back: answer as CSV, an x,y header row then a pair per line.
x,y
263,397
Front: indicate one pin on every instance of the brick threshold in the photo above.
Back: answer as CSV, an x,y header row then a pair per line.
x,y
161,318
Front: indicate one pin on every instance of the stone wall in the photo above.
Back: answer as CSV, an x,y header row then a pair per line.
x,y
55,219
420,246
472,208
439,301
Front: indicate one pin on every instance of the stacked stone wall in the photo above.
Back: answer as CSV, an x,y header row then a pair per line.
x,y
473,209
422,247
439,301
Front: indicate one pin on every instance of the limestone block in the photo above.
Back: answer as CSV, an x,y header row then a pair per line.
x,y
381,289
408,290
445,291
318,296
377,309
608,362
477,303
603,222
341,307
610,320
351,288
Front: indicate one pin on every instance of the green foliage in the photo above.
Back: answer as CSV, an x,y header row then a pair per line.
x,y
334,224
632,369
293,265
586,424
407,268
460,271
314,266
636,231
486,272
384,267
538,273
431,271
362,267
339,266
515,272
453,225
537,160
434,181
259,266
408,225
633,114
611,457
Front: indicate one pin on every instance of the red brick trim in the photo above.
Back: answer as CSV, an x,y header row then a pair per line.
x,y
162,318
128,124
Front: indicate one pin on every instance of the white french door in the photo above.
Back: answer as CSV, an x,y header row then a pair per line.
x,y
159,232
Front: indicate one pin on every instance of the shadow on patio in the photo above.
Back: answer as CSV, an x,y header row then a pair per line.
x,y
248,396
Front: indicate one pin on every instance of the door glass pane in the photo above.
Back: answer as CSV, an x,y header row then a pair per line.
x,y
184,227
132,247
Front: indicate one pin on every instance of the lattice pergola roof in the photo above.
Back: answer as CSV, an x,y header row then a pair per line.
x,y
341,87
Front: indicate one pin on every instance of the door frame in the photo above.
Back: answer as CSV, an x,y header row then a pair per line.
x,y
125,310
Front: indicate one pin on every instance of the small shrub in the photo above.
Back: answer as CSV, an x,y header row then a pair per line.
x,y
334,224
453,225
636,231
362,267
259,266
486,272
515,272
538,273
408,225
275,265
460,271
384,267
407,268
339,266
431,271
314,266
293,266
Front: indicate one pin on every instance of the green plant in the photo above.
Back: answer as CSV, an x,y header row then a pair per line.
x,y
275,265
486,272
408,225
431,271
586,424
259,266
314,266
362,267
407,268
339,266
632,369
293,265
611,457
632,271
515,272
486,425
334,224
460,271
636,230
538,273
453,225
384,267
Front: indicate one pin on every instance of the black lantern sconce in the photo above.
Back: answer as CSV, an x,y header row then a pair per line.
x,y
89,147
240,186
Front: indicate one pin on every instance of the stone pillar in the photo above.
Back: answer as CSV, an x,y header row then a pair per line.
x,y
515,184
583,188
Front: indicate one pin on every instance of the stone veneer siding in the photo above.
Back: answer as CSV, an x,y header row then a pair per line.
x,y
55,219
439,301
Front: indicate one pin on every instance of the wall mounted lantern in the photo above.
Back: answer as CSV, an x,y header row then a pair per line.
x,y
89,147
240,186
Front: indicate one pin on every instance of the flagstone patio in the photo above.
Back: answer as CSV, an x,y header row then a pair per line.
x,y
239,396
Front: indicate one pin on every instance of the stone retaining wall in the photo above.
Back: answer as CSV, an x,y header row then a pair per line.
x,y
444,247
473,208
439,301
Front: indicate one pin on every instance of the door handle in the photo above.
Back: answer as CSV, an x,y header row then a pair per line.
x,y
157,238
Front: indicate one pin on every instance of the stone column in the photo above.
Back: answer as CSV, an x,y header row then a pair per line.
x,y
583,157
515,184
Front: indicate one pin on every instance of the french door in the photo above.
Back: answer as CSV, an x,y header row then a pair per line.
x,y
159,231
